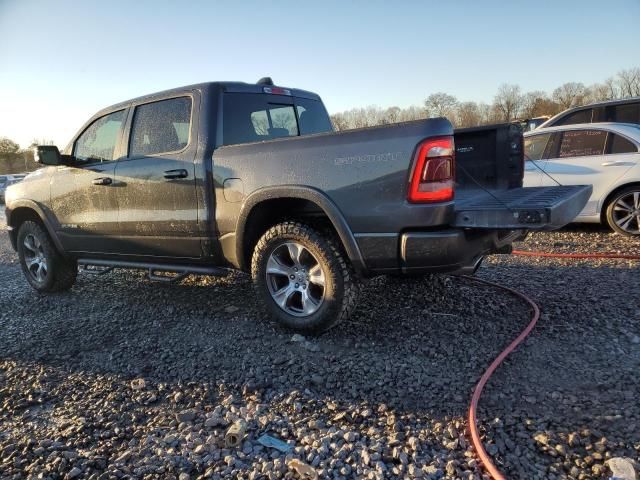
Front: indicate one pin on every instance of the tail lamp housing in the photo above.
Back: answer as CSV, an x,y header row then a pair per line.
x,y
434,173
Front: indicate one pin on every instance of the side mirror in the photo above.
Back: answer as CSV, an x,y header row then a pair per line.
x,y
47,155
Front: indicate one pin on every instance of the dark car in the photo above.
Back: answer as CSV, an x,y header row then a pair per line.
x,y
230,175
619,111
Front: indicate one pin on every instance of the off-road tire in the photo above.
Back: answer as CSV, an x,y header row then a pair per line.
x,y
61,273
341,285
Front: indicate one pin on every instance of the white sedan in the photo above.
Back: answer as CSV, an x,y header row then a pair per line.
x,y
605,155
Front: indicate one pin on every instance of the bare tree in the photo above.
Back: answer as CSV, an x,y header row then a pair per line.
x,y
8,146
391,115
508,102
629,82
569,94
468,114
440,105
597,92
612,86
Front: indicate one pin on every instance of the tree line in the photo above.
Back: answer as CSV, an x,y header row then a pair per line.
x,y
509,104
13,159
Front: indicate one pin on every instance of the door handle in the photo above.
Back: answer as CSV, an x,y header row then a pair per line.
x,y
612,164
178,173
102,181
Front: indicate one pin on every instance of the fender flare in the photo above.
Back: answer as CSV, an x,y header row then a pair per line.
x,y
304,193
40,212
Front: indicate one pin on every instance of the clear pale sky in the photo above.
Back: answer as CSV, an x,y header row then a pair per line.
x,y
61,61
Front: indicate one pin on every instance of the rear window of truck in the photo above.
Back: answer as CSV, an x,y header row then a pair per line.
x,y
249,117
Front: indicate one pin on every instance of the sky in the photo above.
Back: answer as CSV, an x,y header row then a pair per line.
x,y
61,61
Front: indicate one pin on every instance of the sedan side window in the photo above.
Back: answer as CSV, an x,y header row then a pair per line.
x,y
535,145
582,143
619,144
161,127
98,142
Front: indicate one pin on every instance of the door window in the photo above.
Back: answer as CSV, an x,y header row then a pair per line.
x,y
581,116
98,142
161,127
581,143
535,145
627,113
619,144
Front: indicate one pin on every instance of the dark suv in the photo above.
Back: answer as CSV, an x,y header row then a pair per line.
x,y
618,111
221,175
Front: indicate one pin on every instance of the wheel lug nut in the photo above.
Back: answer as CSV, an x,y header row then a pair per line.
x,y
297,285
292,277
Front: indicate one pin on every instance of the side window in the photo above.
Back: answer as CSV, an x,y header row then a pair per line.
x,y
627,113
535,145
98,142
582,143
160,127
312,117
581,116
254,117
618,144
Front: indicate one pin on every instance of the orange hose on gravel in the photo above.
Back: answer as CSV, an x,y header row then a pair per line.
x,y
488,464
473,427
527,253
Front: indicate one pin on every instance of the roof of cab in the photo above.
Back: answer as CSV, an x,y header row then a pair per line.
x,y
235,87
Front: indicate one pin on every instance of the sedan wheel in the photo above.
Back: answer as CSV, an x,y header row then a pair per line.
x,y
623,212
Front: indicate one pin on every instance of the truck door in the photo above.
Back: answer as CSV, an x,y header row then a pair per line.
x,y
156,192
83,197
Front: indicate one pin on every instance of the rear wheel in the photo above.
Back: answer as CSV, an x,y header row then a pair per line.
x,y
45,269
623,212
303,278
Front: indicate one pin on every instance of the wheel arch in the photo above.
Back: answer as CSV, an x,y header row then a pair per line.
x,y
25,210
250,222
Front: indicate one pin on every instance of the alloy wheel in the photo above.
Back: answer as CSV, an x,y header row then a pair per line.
x,y
35,258
295,279
626,212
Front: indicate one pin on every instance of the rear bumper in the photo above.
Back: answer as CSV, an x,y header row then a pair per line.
x,y
449,250
455,250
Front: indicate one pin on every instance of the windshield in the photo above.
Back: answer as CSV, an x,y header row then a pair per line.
x,y
250,117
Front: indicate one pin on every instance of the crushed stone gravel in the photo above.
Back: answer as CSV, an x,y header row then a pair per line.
x,y
124,378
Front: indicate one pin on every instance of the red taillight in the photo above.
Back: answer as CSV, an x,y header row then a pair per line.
x,y
434,172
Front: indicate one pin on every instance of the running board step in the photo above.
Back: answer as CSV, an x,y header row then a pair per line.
x,y
100,267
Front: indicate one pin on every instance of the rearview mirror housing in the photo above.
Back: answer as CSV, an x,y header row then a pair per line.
x,y
47,155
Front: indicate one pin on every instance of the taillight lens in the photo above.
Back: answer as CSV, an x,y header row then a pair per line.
x,y
433,176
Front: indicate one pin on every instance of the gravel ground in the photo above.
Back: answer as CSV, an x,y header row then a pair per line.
x,y
123,378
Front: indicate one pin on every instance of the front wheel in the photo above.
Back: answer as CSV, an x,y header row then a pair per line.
x,y
44,268
303,278
623,212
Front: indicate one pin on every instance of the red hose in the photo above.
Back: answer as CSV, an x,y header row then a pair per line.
x,y
473,423
473,427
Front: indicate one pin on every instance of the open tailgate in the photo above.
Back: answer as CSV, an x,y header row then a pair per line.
x,y
536,208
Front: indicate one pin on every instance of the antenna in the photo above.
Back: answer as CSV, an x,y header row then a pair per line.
x,y
265,81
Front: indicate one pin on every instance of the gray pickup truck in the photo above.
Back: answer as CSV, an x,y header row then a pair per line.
x,y
230,175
